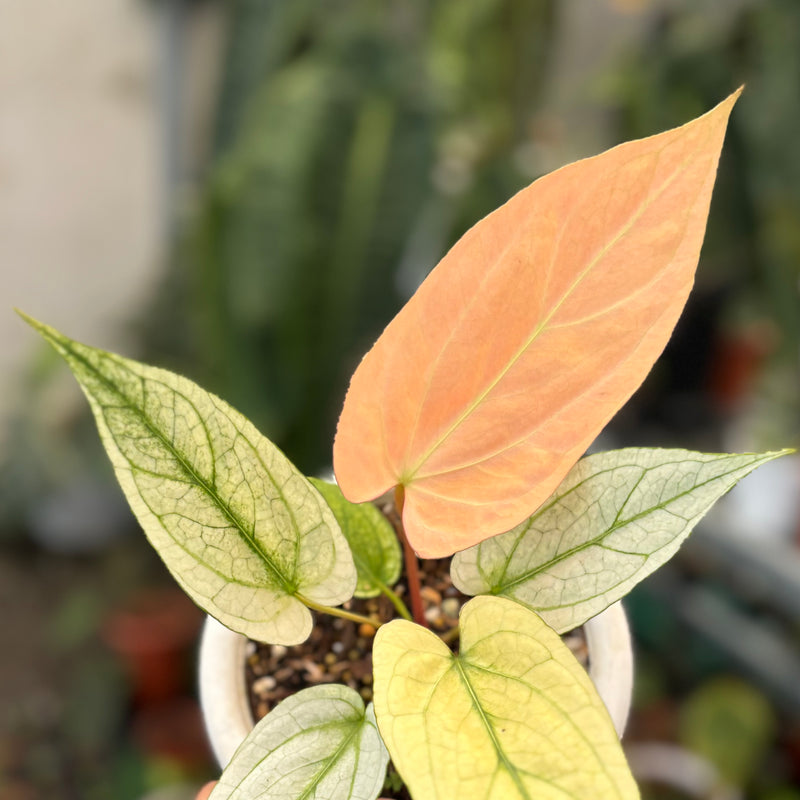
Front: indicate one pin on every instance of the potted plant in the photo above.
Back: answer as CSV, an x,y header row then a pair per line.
x,y
474,406
225,693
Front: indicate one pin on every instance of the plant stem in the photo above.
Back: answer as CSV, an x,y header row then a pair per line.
x,y
412,566
339,612
396,602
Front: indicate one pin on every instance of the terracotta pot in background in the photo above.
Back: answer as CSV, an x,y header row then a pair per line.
x,y
153,634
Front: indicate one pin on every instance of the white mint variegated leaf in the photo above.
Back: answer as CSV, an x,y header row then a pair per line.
x,y
318,743
239,527
615,518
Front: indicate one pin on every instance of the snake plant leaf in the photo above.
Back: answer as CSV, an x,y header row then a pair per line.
x,y
513,716
318,743
527,338
615,518
241,530
372,539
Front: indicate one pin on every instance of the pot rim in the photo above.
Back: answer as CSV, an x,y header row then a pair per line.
x,y
226,708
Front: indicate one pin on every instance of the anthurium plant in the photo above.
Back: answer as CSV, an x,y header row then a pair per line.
x,y
475,407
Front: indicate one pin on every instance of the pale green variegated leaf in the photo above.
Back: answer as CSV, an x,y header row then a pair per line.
x,y
371,537
615,518
241,530
513,716
318,743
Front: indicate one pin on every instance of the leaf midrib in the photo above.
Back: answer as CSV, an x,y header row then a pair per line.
x,y
247,536
503,588
542,694
409,475
355,726
501,754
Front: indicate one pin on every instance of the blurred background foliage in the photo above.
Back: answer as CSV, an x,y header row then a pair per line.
x,y
353,141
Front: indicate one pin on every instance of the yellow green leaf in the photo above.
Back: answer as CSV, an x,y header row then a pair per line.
x,y
240,529
318,743
527,338
614,519
513,716
372,539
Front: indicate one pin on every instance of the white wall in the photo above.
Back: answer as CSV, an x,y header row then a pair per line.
x,y
79,170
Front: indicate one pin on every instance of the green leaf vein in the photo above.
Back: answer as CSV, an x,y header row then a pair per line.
x,y
193,477
598,540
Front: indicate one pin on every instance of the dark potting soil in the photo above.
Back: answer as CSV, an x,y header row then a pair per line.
x,y
340,651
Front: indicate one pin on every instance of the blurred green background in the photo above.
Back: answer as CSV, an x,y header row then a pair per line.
x,y
340,148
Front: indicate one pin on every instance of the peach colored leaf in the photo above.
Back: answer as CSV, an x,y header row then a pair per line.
x,y
528,337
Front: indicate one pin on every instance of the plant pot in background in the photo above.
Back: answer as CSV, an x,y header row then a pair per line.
x,y
152,635
226,707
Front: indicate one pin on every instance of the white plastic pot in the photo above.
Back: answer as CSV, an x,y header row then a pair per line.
x,y
223,693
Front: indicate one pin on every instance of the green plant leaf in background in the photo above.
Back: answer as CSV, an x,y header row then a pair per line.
x,y
732,724
513,716
318,743
241,530
614,519
372,539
